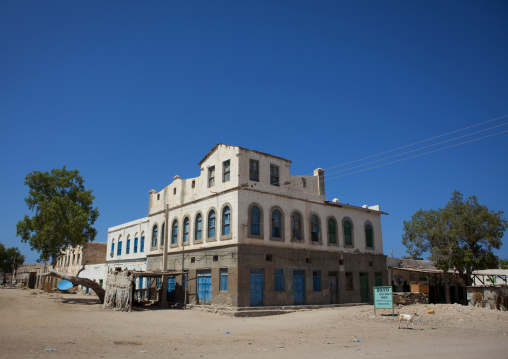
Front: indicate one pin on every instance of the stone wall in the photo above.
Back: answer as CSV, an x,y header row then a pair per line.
x,y
410,298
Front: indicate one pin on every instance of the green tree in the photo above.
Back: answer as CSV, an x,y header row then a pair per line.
x,y
10,259
503,263
460,236
63,213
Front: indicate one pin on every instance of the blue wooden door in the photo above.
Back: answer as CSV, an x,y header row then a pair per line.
x,y
256,287
299,287
171,289
204,286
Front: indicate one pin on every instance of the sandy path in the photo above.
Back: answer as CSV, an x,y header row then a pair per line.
x,y
32,323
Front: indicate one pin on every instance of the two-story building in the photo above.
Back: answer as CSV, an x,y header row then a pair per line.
x,y
250,233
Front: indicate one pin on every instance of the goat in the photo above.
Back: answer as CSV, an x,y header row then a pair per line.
x,y
408,318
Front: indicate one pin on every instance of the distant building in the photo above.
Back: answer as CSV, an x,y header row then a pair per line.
x,y
251,234
93,256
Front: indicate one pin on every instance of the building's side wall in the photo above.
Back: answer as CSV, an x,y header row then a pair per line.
x,y
94,253
212,259
327,263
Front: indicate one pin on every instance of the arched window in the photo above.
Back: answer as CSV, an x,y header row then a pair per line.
x,y
226,215
118,251
276,224
348,238
174,232
332,231
199,227
154,236
296,227
162,234
186,229
255,221
314,229
211,224
369,236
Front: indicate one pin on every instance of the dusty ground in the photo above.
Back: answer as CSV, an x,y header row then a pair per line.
x,y
78,327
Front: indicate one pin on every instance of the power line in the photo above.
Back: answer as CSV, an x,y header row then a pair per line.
x,y
422,154
415,143
418,149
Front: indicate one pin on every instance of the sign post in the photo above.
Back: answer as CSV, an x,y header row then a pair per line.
x,y
383,298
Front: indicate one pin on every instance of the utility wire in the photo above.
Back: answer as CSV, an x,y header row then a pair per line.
x,y
418,149
415,143
422,154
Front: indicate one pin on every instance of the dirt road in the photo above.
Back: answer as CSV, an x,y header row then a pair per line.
x,y
78,327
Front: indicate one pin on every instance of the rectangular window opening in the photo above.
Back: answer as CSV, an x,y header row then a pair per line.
x,y
316,281
223,279
193,183
307,260
215,258
193,260
274,175
254,170
211,176
225,171
349,281
278,280
269,257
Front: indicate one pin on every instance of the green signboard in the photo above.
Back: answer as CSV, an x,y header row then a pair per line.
x,y
383,298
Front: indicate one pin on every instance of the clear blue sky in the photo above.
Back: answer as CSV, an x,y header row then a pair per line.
x,y
134,92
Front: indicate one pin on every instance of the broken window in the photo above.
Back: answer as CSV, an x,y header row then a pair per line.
x,y
276,224
225,171
296,227
211,176
254,170
314,228
274,175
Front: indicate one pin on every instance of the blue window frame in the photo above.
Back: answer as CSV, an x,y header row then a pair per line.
x,y
127,250
223,279
211,224
140,283
174,236
199,227
142,247
255,221
278,280
154,236
316,280
119,250
186,229
226,215
136,245
276,224
112,247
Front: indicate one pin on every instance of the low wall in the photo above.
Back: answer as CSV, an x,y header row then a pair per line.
x,y
491,297
410,298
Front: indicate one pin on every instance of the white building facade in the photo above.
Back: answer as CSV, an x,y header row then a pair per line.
x,y
249,233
